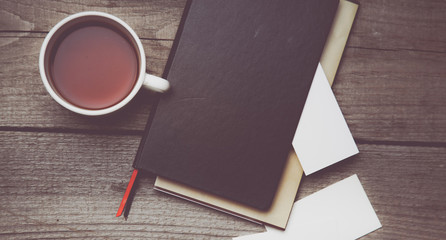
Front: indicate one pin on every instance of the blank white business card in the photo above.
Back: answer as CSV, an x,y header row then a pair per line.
x,y
322,137
341,211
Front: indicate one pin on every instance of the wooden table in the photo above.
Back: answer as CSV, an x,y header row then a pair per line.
x,y
63,175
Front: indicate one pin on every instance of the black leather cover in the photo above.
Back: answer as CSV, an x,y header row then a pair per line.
x,y
240,73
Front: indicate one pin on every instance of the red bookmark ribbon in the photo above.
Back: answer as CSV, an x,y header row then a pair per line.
x,y
127,193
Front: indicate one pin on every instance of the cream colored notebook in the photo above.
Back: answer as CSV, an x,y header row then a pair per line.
x,y
279,212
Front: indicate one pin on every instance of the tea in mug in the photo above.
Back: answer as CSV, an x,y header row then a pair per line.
x,y
93,66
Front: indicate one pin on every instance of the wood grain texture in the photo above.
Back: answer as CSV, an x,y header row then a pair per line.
x,y
384,95
150,19
382,24
56,185
404,184
393,95
63,175
400,24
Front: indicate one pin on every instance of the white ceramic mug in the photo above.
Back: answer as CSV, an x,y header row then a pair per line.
x,y
143,79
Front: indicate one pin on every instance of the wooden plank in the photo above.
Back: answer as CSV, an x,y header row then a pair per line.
x,y
384,95
24,101
381,24
150,19
400,24
55,185
64,185
404,184
70,185
393,95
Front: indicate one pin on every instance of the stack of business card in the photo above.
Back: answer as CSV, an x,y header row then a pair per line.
x,y
340,211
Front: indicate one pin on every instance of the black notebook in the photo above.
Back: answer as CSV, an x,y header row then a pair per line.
x,y
240,73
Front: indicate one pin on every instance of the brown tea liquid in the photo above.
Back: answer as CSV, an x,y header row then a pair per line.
x,y
94,67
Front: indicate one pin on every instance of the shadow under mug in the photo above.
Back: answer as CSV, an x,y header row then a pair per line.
x,y
61,29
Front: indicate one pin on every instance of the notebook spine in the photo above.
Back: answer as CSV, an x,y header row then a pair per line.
x,y
165,76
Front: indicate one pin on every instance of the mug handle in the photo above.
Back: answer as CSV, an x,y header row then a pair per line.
x,y
155,83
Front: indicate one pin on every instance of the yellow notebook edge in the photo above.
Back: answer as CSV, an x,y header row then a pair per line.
x,y
276,216
337,38
280,207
